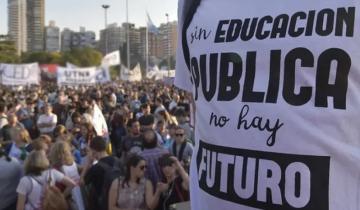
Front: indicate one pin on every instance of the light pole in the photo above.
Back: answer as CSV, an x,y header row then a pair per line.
x,y
105,6
168,41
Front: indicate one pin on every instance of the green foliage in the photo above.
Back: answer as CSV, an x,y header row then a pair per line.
x,y
8,52
114,72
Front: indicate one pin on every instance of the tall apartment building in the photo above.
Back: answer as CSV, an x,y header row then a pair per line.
x,y
66,39
17,24
35,24
134,40
168,39
153,43
114,35
52,38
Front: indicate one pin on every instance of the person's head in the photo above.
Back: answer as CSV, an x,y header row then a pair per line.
x,y
60,154
150,139
60,130
134,127
147,122
47,108
158,101
176,97
135,168
76,118
36,162
43,142
119,119
22,136
167,167
87,131
12,119
2,108
180,115
179,135
145,108
98,147
161,126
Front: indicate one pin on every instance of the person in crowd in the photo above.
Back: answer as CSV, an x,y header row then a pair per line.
x,y
145,110
134,191
9,131
60,107
87,133
151,153
11,172
148,123
181,148
182,119
132,143
37,177
3,116
26,116
118,132
21,145
60,131
43,142
47,121
93,174
174,102
61,158
159,105
177,182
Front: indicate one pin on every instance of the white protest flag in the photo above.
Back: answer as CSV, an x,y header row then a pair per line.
x,y
76,76
151,26
99,122
132,75
71,66
20,74
111,59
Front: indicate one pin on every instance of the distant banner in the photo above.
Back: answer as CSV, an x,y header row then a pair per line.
x,y
160,74
99,122
111,59
48,72
20,74
132,75
102,74
76,76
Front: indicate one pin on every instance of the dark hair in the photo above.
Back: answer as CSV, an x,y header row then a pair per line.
x,y
132,161
165,160
153,142
91,133
144,106
98,144
2,107
75,115
147,120
118,120
131,122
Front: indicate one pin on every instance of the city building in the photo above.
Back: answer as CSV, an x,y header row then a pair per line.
x,y
153,44
66,39
168,39
52,38
114,35
17,24
83,39
35,25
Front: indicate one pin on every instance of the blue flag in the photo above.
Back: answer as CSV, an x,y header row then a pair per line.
x,y
151,27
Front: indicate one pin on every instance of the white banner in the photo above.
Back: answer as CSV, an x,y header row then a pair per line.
x,y
161,74
102,74
111,59
76,76
132,75
20,74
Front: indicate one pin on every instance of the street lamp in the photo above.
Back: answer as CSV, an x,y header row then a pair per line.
x,y
168,41
105,6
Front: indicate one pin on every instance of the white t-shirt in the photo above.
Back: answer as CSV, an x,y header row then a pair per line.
x,y
72,172
33,186
52,118
276,86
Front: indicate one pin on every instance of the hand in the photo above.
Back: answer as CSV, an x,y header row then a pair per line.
x,y
161,187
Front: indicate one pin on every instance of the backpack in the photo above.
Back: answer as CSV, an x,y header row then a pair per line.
x,y
52,198
111,173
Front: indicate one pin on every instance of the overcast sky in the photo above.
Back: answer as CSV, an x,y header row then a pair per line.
x,y
89,13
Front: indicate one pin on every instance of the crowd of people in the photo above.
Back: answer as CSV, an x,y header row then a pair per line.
x,y
52,157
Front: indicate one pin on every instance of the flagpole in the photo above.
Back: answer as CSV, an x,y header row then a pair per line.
x,y
147,49
128,35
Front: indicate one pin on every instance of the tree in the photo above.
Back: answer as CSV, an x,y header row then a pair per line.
x,y
41,57
83,57
8,52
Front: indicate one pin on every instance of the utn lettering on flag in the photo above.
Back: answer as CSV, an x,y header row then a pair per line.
x,y
111,59
20,74
150,25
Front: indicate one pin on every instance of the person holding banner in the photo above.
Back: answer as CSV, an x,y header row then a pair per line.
x,y
276,88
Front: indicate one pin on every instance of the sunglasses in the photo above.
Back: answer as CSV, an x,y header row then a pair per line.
x,y
179,134
143,167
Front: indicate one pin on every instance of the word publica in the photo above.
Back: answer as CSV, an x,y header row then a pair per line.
x,y
264,180
326,22
216,79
